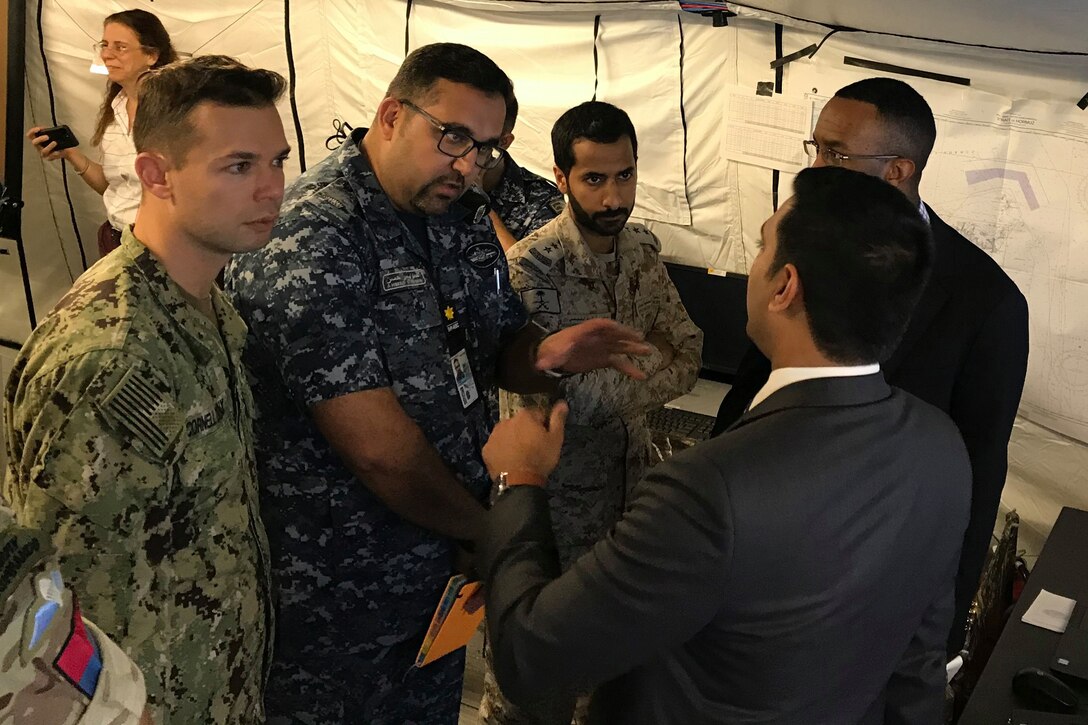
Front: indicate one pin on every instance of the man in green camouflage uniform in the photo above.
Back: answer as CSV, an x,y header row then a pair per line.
x,y
587,263
128,418
55,666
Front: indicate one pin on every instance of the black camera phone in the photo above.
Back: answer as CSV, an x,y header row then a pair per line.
x,y
62,135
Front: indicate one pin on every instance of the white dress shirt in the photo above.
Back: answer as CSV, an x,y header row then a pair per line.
x,y
782,377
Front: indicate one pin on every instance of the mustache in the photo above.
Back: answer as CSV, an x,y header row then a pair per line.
x,y
455,178
611,214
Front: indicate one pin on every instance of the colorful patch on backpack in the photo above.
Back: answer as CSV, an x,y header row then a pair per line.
x,y
79,659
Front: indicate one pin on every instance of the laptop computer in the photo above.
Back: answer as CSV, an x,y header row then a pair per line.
x,y
716,303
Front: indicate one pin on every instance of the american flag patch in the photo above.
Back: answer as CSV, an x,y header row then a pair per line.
x,y
144,408
79,659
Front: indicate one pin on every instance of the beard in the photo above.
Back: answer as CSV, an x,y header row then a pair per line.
x,y
606,223
427,203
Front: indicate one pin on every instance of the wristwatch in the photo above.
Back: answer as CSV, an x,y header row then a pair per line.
x,y
504,483
517,478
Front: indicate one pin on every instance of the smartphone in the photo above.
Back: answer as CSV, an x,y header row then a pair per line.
x,y
62,135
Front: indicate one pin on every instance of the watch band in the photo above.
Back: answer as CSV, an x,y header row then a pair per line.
x,y
517,478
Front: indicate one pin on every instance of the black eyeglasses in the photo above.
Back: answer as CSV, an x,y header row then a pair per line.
x,y
835,158
457,144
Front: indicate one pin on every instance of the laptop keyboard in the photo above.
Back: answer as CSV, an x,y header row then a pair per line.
x,y
678,423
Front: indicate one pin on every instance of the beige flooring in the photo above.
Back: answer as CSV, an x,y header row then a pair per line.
x,y
474,681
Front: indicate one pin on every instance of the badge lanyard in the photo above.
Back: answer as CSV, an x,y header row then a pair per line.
x,y
457,349
456,340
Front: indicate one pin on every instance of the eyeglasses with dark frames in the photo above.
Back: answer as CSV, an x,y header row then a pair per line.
x,y
457,144
835,158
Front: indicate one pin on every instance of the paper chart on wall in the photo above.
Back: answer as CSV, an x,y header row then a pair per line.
x,y
766,131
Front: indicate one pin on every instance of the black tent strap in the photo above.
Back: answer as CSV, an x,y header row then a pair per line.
x,y
11,204
904,71
596,66
291,79
806,52
53,116
683,114
775,175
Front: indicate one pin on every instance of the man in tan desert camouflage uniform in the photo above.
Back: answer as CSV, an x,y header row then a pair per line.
x,y
589,262
128,416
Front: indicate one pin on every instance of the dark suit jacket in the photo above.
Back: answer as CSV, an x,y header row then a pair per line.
x,y
797,569
965,351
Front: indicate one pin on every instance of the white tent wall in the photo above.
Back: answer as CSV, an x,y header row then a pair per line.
x,y
68,93
670,70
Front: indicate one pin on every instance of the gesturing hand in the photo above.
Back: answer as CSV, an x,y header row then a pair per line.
x,y
528,443
593,344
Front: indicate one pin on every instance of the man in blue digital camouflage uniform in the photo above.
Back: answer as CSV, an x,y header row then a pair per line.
x,y
373,293
521,201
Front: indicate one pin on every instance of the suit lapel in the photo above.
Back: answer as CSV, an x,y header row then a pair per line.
x,y
935,294
821,393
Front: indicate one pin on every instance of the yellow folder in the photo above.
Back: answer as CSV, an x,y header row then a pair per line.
x,y
454,622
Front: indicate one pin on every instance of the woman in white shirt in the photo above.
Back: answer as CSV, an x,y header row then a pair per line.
x,y
133,41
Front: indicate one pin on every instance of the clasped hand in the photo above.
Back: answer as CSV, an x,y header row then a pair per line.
x,y
529,443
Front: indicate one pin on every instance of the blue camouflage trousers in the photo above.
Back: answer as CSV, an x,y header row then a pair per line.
x,y
383,689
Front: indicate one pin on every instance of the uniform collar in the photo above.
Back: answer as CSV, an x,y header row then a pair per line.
x,y
511,188
201,333
580,261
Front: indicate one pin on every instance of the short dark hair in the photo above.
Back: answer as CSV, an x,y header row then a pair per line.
x,y
168,96
907,116
511,112
863,253
452,62
594,121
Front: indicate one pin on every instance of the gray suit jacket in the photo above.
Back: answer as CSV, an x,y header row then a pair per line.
x,y
798,569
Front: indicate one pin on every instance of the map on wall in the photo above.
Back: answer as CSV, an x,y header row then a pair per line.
x,y
1010,175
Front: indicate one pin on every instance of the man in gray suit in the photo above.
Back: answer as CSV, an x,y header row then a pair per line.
x,y
798,568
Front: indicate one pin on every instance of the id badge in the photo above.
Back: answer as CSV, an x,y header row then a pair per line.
x,y
462,375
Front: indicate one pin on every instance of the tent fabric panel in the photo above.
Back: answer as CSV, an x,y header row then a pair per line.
x,y
639,71
709,63
549,60
1044,27
52,250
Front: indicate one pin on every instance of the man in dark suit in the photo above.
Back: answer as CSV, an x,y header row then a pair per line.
x,y
966,347
799,568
